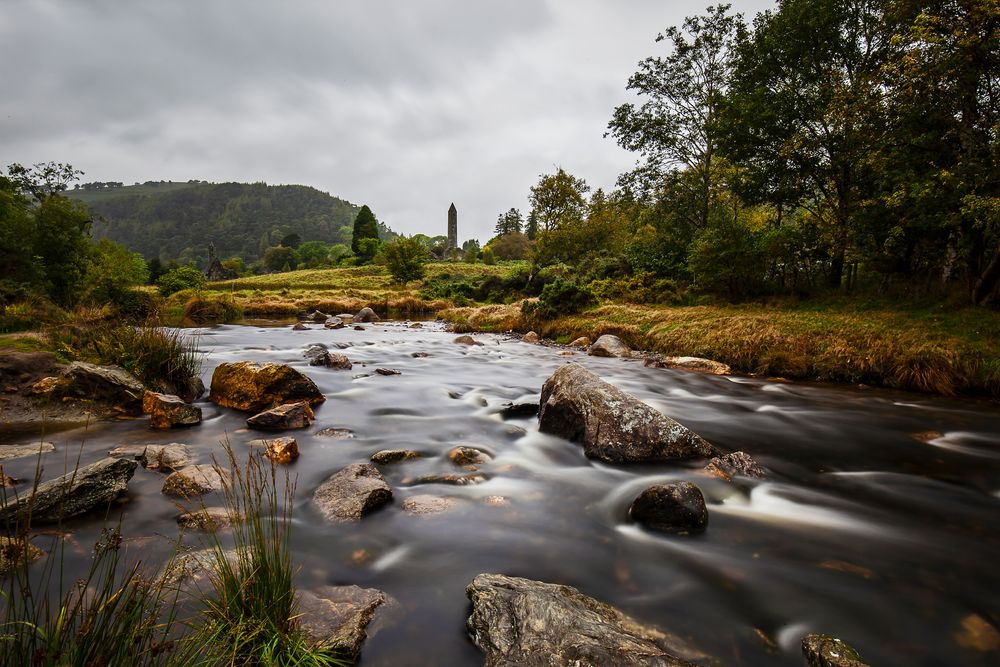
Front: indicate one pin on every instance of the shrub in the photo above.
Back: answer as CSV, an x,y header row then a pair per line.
x,y
31,313
161,358
181,278
642,287
136,305
405,259
204,310
559,297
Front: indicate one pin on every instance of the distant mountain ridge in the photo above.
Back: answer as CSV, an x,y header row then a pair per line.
x,y
175,220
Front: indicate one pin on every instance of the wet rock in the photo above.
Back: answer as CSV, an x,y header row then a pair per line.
x,y
334,323
388,371
352,493
109,385
193,481
515,410
826,651
416,325
689,364
252,386
468,456
582,341
318,355
497,501
530,337
387,456
8,482
74,493
8,452
318,316
16,552
423,505
733,464
336,433
282,450
283,417
366,315
466,340
609,346
612,426
677,508
167,411
452,478
205,520
162,458
336,617
346,318
358,327
298,326
978,634
419,355
518,621
191,570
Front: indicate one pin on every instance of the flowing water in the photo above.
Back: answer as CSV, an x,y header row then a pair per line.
x,y
877,523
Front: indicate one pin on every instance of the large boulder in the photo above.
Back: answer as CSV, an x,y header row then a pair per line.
x,y
609,346
167,410
108,385
518,621
283,417
677,508
826,651
252,386
335,617
612,425
352,493
74,493
366,315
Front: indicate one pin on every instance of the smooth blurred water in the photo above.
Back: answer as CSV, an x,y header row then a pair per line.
x,y
868,528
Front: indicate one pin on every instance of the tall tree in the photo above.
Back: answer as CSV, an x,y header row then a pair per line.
x,y
674,128
558,199
509,222
365,227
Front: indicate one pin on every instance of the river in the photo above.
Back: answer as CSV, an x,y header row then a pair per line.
x,y
877,523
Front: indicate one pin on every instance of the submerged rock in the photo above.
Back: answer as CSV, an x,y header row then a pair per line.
x,y
609,346
205,520
298,326
17,551
336,433
466,340
468,456
612,425
452,478
689,364
167,410
388,371
518,621
8,452
336,617
677,508
387,456
163,458
74,493
423,505
287,416
826,651
733,464
252,386
366,315
351,493
193,481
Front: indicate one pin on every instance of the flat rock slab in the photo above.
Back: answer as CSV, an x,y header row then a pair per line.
x,y
826,651
423,505
336,433
287,416
689,364
613,426
336,617
107,385
252,386
74,493
518,621
193,481
352,493
8,452
609,346
386,456
450,478
163,458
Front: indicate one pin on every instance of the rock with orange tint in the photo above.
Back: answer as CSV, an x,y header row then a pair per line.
x,y
253,386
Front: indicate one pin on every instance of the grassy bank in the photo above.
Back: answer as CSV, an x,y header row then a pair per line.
x,y
917,348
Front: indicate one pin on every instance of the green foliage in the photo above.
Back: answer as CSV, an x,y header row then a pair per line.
x,y
314,254
643,287
181,278
367,249
204,310
62,247
557,199
32,312
727,257
559,297
511,222
405,259
112,272
365,227
489,256
280,258
338,252
510,247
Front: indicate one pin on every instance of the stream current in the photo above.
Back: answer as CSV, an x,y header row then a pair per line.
x,y
877,523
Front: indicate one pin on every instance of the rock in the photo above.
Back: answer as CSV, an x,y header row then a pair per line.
x,y
252,386
387,456
282,450
298,326
530,337
8,452
192,570
677,508
108,385
336,433
8,482
333,323
733,464
468,456
16,552
366,315
287,416
416,325
515,410
388,371
582,341
466,340
609,346
423,505
346,318
612,425
205,520
826,651
335,617
419,355
352,493
163,458
518,621
317,316
318,355
74,493
193,481
497,501
453,478
978,634
167,410
689,364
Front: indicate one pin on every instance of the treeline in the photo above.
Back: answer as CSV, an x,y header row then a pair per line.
x,y
830,145
243,220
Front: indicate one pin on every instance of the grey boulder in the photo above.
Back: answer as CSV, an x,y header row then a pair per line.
x,y
74,493
352,493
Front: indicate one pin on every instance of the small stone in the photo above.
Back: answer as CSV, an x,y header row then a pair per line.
x,y
978,634
388,371
387,456
609,346
826,651
298,326
362,557
455,479
416,325
419,355
288,416
677,508
205,520
497,501
7,482
582,341
318,316
468,456
423,505
193,481
318,355
689,364
336,433
352,493
366,315
279,450
530,337
515,410
733,464
466,340
346,318
333,323
358,327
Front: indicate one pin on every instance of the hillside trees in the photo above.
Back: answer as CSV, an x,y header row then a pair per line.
x,y
509,222
365,238
557,199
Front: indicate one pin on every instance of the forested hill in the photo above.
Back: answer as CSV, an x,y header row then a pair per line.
x,y
177,221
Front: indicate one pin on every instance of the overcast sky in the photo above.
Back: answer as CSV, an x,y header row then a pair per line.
x,y
404,105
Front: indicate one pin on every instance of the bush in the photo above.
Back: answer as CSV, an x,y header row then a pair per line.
x,y
405,259
136,305
181,278
203,310
32,313
559,297
642,287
